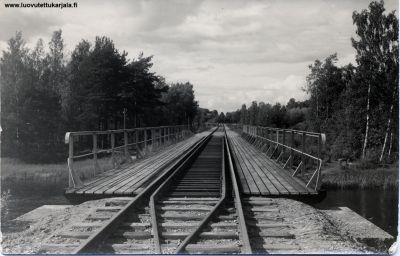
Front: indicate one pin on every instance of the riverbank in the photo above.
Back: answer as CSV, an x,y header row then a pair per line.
x,y
335,176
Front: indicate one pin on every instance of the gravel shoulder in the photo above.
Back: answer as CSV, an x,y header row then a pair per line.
x,y
316,231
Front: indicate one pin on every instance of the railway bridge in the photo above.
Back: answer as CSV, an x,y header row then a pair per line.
x,y
173,191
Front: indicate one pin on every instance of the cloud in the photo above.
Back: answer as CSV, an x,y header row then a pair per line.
x,y
233,51
30,23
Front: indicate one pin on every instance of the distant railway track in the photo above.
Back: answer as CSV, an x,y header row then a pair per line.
x,y
194,207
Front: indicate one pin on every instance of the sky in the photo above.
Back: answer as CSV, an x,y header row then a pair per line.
x,y
232,51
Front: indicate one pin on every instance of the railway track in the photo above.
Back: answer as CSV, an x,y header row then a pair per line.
x,y
190,208
194,207
268,229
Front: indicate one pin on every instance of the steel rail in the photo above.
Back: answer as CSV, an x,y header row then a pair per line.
x,y
98,237
238,202
165,184
213,211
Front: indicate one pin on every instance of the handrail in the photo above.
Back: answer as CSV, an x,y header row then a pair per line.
x,y
158,135
242,221
117,131
315,134
258,133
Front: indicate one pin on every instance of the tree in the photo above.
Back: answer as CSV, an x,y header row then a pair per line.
x,y
43,95
263,118
96,77
181,104
324,85
13,78
56,64
141,93
377,58
253,113
30,114
243,115
221,118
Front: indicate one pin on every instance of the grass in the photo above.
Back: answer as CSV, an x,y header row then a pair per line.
x,y
13,170
335,176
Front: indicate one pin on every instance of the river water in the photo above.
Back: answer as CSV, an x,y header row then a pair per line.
x,y
378,206
20,198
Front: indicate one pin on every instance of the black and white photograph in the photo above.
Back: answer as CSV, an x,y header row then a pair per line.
x,y
199,127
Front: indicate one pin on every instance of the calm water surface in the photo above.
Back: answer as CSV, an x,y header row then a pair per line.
x,y
378,206
18,199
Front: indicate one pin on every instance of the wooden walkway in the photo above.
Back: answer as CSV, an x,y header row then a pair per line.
x,y
131,179
259,175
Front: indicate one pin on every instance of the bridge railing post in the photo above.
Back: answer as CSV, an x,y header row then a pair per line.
x,y
113,160
291,149
152,139
283,142
159,137
161,134
318,183
183,132
303,150
145,140
126,152
165,135
95,149
71,161
137,146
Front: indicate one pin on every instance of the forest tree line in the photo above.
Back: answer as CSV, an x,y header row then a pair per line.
x,y
355,105
44,93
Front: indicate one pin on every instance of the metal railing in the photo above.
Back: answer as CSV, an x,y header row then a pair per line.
x,y
295,146
125,143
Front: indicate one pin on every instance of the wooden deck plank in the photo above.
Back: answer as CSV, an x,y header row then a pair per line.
x,y
260,167
295,181
135,182
120,175
264,184
132,185
243,182
117,179
151,164
284,175
247,174
273,171
264,174
241,173
135,175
